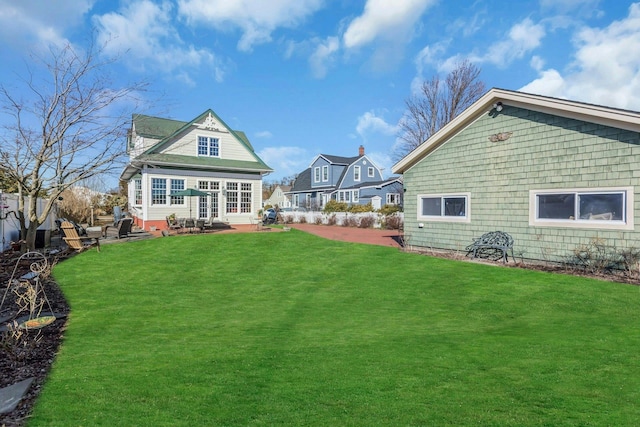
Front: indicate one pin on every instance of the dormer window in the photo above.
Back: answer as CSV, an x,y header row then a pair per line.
x,y
208,146
356,173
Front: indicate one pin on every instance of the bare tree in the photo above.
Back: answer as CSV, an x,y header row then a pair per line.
x,y
437,104
71,129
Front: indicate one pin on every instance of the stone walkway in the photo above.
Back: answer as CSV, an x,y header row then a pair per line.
x,y
370,236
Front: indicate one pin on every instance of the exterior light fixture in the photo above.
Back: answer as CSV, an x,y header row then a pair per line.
x,y
498,106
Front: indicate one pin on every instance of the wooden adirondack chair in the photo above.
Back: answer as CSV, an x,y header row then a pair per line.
x,y
76,242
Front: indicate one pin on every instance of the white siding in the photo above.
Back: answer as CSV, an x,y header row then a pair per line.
x,y
230,147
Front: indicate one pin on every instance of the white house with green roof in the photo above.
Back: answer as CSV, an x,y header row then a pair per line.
x,y
554,173
167,156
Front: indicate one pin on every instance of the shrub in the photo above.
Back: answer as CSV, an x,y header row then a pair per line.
x,y
287,218
335,206
367,221
318,220
387,210
350,221
393,222
302,219
332,219
361,208
598,257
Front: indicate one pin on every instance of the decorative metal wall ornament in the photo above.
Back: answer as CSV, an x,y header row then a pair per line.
x,y
502,136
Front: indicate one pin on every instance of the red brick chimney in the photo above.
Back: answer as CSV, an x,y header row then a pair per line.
x,y
361,151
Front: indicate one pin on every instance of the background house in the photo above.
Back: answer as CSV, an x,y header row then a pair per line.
x,y
167,156
553,173
279,197
353,180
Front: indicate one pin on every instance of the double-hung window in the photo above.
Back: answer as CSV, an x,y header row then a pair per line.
x,y
158,191
444,207
177,185
137,191
245,197
232,197
370,172
316,174
393,198
325,173
584,208
161,189
208,146
356,173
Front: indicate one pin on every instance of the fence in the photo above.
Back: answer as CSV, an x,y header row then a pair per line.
x,y
362,219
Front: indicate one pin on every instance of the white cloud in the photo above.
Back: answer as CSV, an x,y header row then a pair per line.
x,y
371,124
522,38
285,161
383,161
25,24
324,56
574,7
606,68
382,21
387,29
264,134
145,32
257,19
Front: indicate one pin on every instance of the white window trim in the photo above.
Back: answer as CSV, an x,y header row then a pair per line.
x,y
325,168
316,174
208,146
628,224
395,196
465,219
371,172
357,173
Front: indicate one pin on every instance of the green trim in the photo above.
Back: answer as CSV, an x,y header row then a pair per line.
x,y
180,161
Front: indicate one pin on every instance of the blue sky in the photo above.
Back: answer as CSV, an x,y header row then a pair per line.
x,y
303,77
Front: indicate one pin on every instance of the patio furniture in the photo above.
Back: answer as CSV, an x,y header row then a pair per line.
x,y
492,245
259,224
74,241
200,225
121,229
172,224
190,224
213,224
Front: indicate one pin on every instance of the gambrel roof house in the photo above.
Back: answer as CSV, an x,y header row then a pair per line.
x,y
553,173
354,180
167,156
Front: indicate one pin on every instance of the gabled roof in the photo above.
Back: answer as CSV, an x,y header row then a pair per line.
x,y
335,160
164,125
374,184
167,130
607,116
155,127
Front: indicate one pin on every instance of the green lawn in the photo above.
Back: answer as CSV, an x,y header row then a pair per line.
x,y
268,329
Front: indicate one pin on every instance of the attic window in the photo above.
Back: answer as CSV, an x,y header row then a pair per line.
x,y
208,146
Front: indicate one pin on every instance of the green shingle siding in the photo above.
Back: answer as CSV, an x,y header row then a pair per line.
x,y
544,152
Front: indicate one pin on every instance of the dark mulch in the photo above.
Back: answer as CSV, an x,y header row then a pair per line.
x,y
32,354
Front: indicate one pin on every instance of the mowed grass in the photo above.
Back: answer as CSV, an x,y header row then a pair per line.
x,y
268,329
